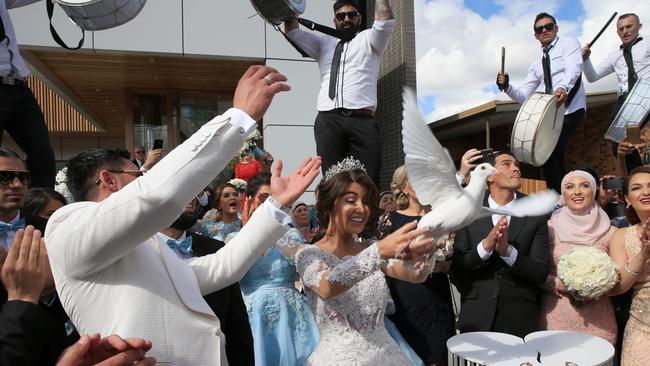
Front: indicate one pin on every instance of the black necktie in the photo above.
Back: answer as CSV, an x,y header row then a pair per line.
x,y
627,55
546,66
334,71
2,30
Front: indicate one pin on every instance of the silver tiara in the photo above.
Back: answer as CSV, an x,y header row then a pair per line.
x,y
344,165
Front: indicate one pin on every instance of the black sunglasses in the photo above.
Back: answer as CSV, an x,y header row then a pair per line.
x,y
7,177
548,26
341,16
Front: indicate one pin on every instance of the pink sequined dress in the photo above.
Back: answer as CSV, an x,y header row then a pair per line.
x,y
594,317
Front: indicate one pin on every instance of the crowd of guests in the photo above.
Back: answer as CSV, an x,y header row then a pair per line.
x,y
248,274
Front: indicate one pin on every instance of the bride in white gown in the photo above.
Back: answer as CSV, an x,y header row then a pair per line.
x,y
344,277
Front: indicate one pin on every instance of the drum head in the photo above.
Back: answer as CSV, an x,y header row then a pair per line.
x,y
277,11
537,129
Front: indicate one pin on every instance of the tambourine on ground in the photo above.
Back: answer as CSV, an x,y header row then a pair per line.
x,y
537,129
275,12
634,111
95,15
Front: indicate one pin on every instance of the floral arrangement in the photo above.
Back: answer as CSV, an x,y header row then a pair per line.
x,y
251,142
239,184
61,185
587,272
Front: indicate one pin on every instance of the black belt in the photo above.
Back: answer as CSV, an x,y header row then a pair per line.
x,y
8,80
353,112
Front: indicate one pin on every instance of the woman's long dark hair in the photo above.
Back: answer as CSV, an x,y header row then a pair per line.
x,y
631,214
329,191
37,198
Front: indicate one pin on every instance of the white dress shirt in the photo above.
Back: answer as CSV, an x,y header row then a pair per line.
x,y
11,63
615,62
510,260
359,69
566,68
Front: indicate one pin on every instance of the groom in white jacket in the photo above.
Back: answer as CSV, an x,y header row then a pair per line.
x,y
114,277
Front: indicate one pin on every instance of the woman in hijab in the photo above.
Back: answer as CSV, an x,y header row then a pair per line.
x,y
580,223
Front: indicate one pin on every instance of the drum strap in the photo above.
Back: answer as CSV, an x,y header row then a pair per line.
x,y
49,5
315,27
574,90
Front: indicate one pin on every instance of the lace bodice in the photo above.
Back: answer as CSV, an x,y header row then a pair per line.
x,y
351,324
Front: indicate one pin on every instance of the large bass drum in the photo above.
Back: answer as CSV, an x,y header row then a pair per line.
x,y
634,111
537,129
276,12
93,15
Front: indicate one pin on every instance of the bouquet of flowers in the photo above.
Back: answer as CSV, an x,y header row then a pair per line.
x,y
239,184
587,272
61,185
251,142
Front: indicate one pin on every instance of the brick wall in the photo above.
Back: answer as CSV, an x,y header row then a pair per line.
x,y
588,146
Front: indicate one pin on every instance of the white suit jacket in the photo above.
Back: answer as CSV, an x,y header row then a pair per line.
x,y
114,278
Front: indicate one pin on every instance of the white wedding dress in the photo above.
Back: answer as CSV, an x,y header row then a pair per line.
x,y
351,324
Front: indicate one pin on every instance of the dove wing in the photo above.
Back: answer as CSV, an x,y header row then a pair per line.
x,y
537,204
431,170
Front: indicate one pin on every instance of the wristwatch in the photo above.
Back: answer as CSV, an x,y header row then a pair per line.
x,y
279,206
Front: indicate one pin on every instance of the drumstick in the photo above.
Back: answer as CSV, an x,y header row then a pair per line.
x,y
503,60
602,30
503,63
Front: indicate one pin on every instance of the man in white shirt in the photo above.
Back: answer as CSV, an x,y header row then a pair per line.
x,y
115,276
559,70
630,62
347,102
499,262
20,115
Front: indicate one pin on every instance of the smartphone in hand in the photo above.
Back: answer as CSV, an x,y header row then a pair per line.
x,y
615,183
157,144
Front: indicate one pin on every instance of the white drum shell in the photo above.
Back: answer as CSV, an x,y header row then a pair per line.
x,y
93,15
276,12
634,111
537,129
489,348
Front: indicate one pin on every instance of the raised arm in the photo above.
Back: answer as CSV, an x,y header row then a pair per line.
x,y
520,94
383,11
84,240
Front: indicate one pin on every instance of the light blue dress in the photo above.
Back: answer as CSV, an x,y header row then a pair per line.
x,y
283,326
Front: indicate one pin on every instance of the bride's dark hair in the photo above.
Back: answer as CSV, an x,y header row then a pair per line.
x,y
329,191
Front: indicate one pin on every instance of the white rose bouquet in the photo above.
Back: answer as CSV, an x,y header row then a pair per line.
x,y
587,272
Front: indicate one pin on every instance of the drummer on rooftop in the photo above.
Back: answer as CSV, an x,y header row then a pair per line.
x,y
558,70
631,62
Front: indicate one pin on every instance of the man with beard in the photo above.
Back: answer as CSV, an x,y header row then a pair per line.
x,y
226,303
500,262
349,68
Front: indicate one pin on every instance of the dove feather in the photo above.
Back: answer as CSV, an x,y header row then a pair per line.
x,y
431,170
534,205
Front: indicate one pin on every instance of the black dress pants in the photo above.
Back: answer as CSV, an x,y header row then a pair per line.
x,y
21,117
554,168
338,136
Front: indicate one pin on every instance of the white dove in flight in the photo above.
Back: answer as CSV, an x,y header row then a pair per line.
x,y
432,174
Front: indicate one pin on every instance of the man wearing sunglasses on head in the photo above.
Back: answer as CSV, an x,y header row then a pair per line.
x,y
558,70
349,68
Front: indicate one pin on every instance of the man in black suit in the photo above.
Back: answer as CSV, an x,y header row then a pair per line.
x,y
226,303
500,262
14,181
146,161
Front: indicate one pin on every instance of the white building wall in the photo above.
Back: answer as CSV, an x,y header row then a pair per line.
x,y
205,28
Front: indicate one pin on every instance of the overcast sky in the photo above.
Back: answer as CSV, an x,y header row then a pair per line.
x,y
459,45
